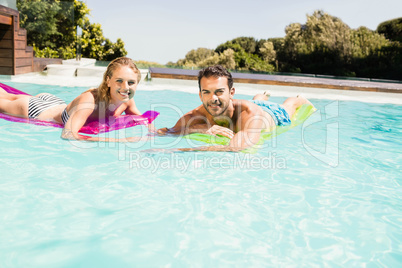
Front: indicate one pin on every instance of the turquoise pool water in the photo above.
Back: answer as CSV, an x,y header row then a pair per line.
x,y
325,194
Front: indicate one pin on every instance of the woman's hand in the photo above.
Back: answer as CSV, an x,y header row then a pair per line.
x,y
152,129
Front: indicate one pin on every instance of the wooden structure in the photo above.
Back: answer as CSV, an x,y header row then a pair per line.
x,y
15,56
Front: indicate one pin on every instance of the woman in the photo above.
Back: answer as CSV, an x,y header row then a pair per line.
x,y
113,97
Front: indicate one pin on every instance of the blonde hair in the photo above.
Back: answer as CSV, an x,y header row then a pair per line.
x,y
102,93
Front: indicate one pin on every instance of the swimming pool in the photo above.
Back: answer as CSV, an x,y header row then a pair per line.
x,y
323,194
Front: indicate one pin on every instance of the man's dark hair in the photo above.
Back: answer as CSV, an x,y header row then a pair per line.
x,y
215,71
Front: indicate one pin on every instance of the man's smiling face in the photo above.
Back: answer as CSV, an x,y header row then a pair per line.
x,y
215,95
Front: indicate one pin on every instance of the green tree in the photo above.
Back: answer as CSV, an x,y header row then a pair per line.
x,y
251,62
73,14
226,59
376,56
233,56
268,52
39,18
195,56
277,42
114,50
95,45
248,44
391,29
366,42
326,45
51,28
322,45
321,32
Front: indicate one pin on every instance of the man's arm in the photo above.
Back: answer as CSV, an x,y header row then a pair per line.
x,y
199,128
195,122
181,129
250,124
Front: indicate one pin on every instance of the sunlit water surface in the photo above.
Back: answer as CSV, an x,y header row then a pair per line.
x,y
323,194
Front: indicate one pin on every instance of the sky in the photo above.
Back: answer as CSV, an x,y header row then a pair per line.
x,y
165,30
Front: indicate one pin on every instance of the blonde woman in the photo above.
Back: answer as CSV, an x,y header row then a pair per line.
x,y
112,98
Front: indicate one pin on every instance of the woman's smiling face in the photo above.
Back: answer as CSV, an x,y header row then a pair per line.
x,y
122,84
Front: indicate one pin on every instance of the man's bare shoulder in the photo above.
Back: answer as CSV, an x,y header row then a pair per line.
x,y
199,111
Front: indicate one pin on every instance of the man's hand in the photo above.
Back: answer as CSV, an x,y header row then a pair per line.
x,y
137,139
199,128
162,131
218,130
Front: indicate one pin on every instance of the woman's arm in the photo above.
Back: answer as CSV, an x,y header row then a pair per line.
x,y
132,108
79,114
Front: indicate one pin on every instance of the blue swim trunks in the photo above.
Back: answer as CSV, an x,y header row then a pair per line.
x,y
278,113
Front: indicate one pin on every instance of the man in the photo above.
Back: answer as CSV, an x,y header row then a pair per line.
x,y
240,120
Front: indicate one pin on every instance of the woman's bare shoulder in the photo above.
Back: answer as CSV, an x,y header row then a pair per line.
x,y
86,96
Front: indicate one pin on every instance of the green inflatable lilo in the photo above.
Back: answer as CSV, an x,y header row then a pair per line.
x,y
301,114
